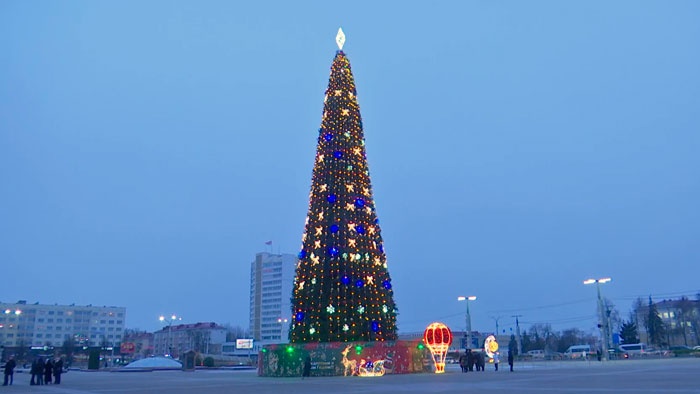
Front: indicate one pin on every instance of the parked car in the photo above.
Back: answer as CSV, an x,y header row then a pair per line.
x,y
578,351
535,353
633,349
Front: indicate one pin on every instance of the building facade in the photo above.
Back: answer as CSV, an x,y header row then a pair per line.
x,y
23,324
271,280
681,319
206,338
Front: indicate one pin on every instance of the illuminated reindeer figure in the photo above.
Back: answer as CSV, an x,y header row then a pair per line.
x,y
348,365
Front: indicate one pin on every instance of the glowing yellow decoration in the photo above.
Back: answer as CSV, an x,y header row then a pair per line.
x,y
490,346
338,92
320,157
366,191
324,186
377,261
371,229
350,188
351,226
301,285
303,237
314,258
345,112
340,38
368,210
376,369
357,151
351,242
317,244
350,94
319,230
370,279
437,338
350,207
307,220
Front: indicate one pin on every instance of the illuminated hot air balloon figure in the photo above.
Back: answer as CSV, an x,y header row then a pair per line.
x,y
438,338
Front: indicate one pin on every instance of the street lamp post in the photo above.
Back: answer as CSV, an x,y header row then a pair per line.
x,y
170,331
468,331
603,318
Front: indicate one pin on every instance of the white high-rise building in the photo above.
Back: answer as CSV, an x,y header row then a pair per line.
x,y
271,280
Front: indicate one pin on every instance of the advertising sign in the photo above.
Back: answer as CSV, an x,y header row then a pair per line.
x,y
244,343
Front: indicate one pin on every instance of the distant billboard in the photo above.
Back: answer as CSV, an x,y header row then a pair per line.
x,y
244,343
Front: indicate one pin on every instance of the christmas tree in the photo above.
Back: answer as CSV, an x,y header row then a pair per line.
x,y
342,289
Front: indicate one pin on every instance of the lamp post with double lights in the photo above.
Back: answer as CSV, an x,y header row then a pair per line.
x,y
604,329
468,331
170,321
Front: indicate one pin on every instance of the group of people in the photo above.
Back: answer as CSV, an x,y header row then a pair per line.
x,y
470,359
42,371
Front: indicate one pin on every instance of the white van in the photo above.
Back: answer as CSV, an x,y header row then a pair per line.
x,y
536,353
635,349
578,351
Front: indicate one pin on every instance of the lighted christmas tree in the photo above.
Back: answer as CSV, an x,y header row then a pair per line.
x,y
342,289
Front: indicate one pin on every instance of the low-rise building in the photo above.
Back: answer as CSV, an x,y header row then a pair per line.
x,y
206,338
681,318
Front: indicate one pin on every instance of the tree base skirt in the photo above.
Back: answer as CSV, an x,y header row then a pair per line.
x,y
345,358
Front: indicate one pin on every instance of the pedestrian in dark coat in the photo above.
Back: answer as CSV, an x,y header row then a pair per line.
x,y
33,370
10,370
510,359
40,371
470,359
48,371
463,362
307,367
482,361
57,371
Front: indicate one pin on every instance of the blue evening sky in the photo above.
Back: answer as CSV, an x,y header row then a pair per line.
x,y
149,149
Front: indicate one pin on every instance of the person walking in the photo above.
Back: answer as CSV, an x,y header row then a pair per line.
x,y
510,359
48,371
470,360
495,361
10,370
57,370
482,361
307,368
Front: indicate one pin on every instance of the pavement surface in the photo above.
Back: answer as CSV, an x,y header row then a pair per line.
x,y
624,376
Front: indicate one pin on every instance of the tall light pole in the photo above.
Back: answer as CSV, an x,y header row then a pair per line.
x,y
496,318
170,330
603,319
518,340
468,331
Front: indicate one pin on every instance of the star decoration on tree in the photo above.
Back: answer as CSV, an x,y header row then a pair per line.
x,y
377,261
345,112
385,308
314,258
361,309
301,285
371,229
319,230
317,244
351,242
370,279
320,157
345,327
350,187
350,207
366,191
324,186
330,309
351,226
338,92
312,330
357,151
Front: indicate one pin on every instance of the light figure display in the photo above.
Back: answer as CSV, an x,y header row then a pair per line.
x,y
438,338
490,346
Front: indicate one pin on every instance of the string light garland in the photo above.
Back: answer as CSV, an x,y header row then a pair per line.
x,y
342,255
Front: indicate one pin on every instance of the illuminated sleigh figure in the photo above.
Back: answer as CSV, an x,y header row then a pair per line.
x,y
371,368
438,338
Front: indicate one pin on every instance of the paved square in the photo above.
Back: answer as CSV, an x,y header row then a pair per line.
x,y
624,376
